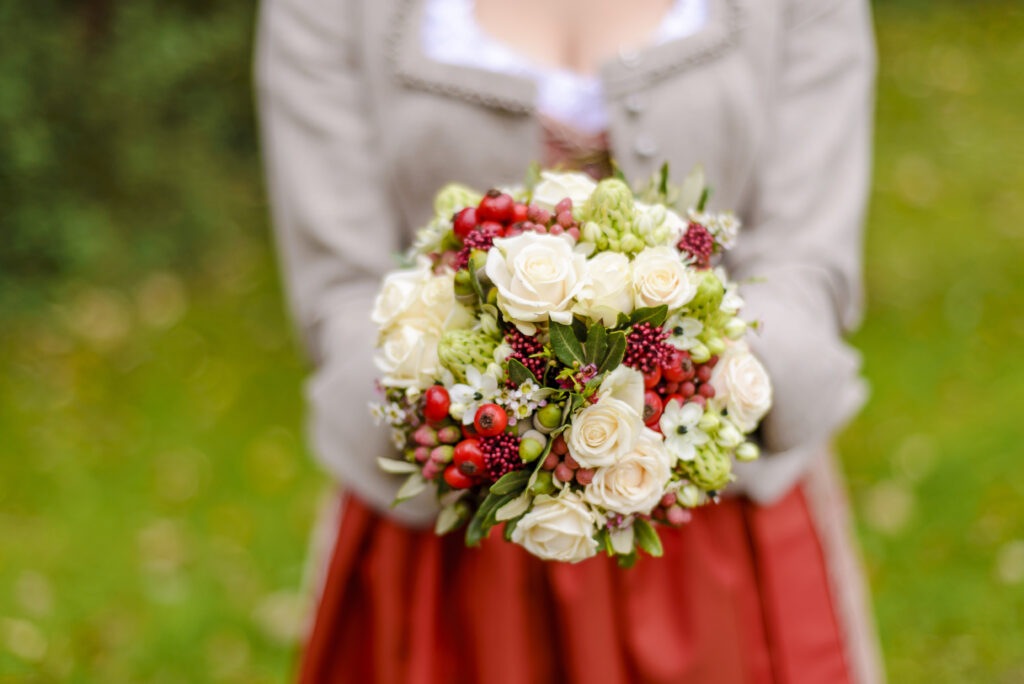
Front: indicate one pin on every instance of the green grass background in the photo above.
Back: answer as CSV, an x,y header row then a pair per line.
x,y
155,492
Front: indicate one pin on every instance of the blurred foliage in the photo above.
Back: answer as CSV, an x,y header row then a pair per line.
x,y
155,493
126,136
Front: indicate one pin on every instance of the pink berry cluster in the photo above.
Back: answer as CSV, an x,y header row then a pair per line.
x,y
646,349
563,466
699,244
669,511
678,379
499,215
525,349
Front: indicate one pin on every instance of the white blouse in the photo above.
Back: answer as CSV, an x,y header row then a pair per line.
x,y
450,34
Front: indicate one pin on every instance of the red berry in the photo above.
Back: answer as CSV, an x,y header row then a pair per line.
x,y
490,420
550,461
559,446
492,228
565,219
699,399
435,403
571,462
673,370
563,473
468,457
496,206
573,232
519,212
585,476
564,205
652,408
538,215
670,388
456,479
556,230
704,372
707,390
465,222
653,378
713,361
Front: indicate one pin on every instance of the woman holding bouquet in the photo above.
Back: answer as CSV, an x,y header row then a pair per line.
x,y
369,108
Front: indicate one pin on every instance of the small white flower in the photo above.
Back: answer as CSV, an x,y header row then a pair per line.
x,y
679,424
466,398
683,331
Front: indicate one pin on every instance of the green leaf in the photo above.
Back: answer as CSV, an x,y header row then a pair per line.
x,y
520,374
410,488
449,518
616,352
511,483
397,467
622,321
663,181
704,197
514,508
646,538
655,315
627,561
483,520
567,348
597,343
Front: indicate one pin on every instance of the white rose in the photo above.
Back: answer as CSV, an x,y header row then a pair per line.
x,y
407,356
636,482
554,187
603,433
742,386
660,277
537,277
608,291
625,384
558,528
399,294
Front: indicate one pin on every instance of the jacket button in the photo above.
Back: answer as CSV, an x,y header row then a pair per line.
x,y
635,104
645,146
629,57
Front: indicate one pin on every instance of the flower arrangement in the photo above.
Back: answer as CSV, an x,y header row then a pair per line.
x,y
564,358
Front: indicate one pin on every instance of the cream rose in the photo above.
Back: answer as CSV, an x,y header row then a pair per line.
x,y
608,291
604,432
407,356
742,386
554,187
558,528
399,294
635,482
419,294
660,277
537,277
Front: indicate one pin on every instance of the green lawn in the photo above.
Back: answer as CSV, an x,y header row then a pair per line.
x,y
156,495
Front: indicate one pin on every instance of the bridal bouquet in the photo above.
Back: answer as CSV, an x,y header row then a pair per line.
x,y
565,359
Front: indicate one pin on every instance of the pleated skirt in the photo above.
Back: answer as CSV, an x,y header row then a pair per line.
x,y
744,593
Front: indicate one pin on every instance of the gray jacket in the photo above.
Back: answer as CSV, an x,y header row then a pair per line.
x,y
772,97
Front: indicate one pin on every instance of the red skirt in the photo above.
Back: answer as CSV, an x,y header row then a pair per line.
x,y
741,595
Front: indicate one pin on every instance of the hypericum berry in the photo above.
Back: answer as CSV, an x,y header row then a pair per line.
x,y
550,461
456,479
687,389
564,205
496,206
563,473
678,516
530,449
652,408
435,403
442,454
520,212
707,390
490,420
571,462
559,446
704,373
449,434
465,221
565,219
585,476
548,417
468,457
425,435
652,377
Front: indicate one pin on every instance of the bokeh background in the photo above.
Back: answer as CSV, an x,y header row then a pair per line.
x,y
155,491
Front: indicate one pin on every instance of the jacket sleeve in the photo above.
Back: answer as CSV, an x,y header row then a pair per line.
x,y
802,250
335,225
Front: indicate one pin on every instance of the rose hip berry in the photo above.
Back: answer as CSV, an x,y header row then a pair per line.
x,y
456,479
469,457
653,378
435,403
519,212
490,420
653,408
464,223
496,206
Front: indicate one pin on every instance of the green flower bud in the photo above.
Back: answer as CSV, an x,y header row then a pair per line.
x,y
709,422
452,198
591,232
611,204
748,451
489,325
716,345
477,261
709,470
709,292
735,328
459,349
688,496
631,244
463,284
700,353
